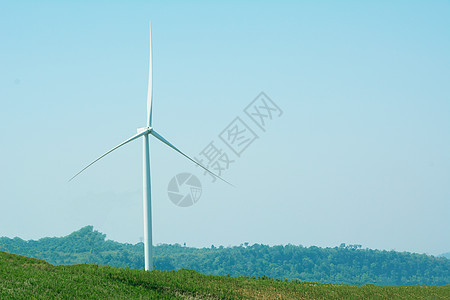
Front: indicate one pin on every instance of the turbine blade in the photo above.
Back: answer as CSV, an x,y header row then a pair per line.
x,y
159,137
120,145
150,85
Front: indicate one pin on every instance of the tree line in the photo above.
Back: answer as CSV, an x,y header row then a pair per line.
x,y
348,264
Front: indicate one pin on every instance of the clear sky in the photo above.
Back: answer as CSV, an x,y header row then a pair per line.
x,y
360,155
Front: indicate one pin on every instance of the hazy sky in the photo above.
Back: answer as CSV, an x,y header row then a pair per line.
x,y
360,155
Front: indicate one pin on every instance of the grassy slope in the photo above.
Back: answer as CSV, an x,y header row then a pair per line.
x,y
23,277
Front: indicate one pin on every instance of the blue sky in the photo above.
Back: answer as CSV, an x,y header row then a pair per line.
x,y
361,154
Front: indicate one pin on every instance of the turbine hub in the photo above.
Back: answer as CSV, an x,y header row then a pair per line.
x,y
147,129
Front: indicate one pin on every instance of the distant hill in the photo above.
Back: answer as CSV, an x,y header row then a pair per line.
x,y
345,264
446,255
28,278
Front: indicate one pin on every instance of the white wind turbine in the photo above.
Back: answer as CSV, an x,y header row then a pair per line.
x,y
145,132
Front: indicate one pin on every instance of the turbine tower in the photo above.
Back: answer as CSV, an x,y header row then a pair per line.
x,y
147,195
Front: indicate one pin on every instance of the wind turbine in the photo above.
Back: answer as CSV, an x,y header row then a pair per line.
x,y
145,132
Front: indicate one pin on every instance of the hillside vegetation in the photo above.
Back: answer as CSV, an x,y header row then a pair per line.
x,y
25,278
345,264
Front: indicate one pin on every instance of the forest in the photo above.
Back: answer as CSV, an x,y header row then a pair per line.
x,y
345,264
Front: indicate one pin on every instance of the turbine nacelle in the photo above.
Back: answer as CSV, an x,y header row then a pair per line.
x,y
145,130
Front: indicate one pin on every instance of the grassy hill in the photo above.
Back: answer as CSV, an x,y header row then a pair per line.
x,y
25,278
347,264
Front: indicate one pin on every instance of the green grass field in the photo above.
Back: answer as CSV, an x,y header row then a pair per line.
x,y
24,278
